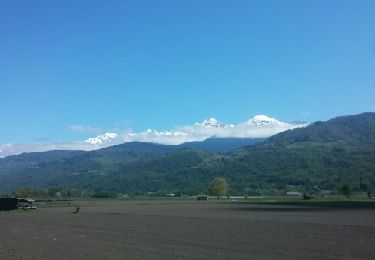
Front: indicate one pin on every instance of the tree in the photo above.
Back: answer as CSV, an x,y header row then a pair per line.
x,y
369,194
219,187
25,192
346,190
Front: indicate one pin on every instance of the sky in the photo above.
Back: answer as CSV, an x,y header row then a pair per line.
x,y
70,70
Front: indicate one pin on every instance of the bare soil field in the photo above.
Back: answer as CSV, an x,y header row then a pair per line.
x,y
188,230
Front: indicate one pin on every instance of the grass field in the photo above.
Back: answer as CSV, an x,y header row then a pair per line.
x,y
265,228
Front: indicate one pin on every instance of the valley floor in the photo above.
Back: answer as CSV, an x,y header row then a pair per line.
x,y
187,230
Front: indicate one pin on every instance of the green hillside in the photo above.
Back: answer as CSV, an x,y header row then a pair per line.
x,y
322,156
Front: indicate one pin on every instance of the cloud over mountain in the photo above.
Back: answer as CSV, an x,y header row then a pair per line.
x,y
12,149
259,126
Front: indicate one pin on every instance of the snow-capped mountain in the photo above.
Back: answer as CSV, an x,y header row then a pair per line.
x,y
102,139
259,126
263,120
211,122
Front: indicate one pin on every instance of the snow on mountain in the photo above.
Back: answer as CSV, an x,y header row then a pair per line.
x,y
259,126
102,139
263,120
270,122
150,135
211,122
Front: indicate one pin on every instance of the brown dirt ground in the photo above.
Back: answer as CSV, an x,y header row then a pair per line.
x,y
187,230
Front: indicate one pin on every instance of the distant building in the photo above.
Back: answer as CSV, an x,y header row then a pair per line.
x,y
202,197
294,194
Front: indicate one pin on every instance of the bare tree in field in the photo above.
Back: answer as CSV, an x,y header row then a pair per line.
x,y
219,187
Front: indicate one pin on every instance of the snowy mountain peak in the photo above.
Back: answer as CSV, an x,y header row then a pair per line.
x,y
211,122
263,120
102,139
259,126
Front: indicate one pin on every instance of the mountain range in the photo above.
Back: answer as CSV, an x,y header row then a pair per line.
x,y
259,126
322,155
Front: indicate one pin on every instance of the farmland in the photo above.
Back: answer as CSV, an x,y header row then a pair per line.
x,y
187,229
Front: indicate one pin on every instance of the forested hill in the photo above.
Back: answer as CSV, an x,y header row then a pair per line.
x,y
358,130
323,155
56,168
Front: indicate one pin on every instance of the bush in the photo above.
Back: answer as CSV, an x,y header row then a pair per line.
x,y
346,190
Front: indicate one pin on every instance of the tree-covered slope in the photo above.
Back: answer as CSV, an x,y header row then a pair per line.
x,y
323,155
56,168
51,168
358,130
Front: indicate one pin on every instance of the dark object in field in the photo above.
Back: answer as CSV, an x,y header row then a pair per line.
x,y
77,209
8,203
16,203
202,197
307,196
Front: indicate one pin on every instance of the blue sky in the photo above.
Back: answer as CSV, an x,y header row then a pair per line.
x,y
115,65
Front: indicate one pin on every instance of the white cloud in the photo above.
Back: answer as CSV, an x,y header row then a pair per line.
x,y
256,127
84,129
12,149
